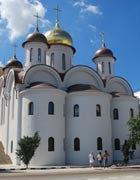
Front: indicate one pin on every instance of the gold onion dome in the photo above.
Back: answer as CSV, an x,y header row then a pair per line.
x,y
59,36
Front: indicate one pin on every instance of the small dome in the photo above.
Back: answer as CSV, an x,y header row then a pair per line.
x,y
103,52
35,37
59,36
13,63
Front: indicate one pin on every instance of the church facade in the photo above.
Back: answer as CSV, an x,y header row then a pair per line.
x,y
75,109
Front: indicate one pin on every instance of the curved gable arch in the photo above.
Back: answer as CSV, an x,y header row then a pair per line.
x,y
9,80
83,75
42,73
1,83
117,84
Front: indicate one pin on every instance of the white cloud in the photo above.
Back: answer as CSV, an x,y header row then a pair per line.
x,y
94,28
87,7
18,15
79,3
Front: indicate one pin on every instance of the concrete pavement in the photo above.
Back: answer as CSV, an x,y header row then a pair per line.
x,y
63,169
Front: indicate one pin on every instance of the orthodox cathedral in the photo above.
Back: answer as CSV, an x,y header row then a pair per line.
x,y
75,109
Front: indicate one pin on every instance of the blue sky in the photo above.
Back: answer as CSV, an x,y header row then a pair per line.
x,y
84,20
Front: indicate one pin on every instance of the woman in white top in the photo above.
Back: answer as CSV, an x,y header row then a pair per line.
x,y
91,159
99,159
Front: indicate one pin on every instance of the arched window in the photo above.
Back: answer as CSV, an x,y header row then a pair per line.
x,y
76,110
115,114
39,55
50,108
99,143
76,144
117,144
63,62
52,60
131,113
98,110
51,144
11,146
45,56
109,65
31,54
31,108
103,67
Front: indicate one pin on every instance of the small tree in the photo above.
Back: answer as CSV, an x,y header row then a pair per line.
x,y
27,148
134,130
125,151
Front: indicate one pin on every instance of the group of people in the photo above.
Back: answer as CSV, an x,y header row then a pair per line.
x,y
102,159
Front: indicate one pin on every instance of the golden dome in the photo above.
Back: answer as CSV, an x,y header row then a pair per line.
x,y
58,36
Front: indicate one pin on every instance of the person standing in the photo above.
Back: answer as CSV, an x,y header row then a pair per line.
x,y
91,159
99,159
105,158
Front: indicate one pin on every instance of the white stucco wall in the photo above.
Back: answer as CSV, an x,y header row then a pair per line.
x,y
46,125
119,127
87,127
58,50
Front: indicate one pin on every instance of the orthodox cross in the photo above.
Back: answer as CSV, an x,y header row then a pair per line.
x,y
103,38
37,17
57,12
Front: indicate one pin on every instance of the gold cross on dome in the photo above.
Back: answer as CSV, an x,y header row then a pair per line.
x,y
57,12
37,17
103,37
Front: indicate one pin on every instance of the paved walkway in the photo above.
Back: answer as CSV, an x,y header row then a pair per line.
x,y
62,169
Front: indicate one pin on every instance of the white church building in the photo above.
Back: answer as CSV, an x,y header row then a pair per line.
x,y
75,109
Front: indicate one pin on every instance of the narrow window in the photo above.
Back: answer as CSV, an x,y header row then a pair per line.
x,y
115,114
63,62
31,108
117,144
51,108
11,146
76,110
45,56
13,103
98,110
39,55
109,64
51,144
99,143
97,69
131,113
76,144
103,67
64,148
31,54
52,60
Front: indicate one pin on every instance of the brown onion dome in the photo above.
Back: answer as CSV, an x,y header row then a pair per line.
x,y
36,37
103,52
14,63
